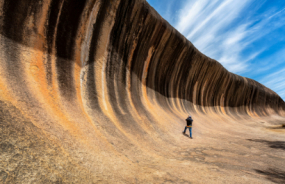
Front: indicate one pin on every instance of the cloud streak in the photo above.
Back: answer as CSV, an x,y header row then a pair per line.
x,y
276,81
206,23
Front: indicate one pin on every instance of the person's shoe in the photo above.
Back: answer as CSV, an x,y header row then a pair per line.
x,y
183,132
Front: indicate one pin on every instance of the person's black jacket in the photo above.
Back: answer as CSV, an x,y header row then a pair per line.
x,y
189,121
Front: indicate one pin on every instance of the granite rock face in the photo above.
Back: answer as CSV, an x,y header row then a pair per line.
x,y
94,90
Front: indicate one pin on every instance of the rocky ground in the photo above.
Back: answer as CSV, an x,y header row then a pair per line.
x,y
96,91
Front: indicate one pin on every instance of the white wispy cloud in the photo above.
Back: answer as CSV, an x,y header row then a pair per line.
x,y
270,62
210,26
203,23
276,81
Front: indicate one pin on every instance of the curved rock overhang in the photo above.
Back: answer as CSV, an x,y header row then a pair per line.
x,y
90,74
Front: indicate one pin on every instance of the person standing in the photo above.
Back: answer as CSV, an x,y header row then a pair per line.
x,y
189,122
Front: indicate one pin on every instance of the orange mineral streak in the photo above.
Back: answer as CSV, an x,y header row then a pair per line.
x,y
102,90
5,95
147,103
133,110
100,67
175,102
80,58
106,98
50,102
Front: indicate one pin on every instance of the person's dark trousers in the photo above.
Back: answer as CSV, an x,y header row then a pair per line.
x,y
190,130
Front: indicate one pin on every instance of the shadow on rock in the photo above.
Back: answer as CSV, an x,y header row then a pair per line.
x,y
273,175
271,144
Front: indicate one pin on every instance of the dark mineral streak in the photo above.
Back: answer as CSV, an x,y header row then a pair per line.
x,y
88,87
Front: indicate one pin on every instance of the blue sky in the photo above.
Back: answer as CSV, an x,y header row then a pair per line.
x,y
246,36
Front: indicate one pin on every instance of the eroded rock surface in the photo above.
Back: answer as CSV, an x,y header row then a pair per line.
x,y
97,91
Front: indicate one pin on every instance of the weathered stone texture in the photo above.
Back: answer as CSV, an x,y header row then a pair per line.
x,y
96,90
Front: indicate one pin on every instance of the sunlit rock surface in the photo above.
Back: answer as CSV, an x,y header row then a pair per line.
x,y
98,91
